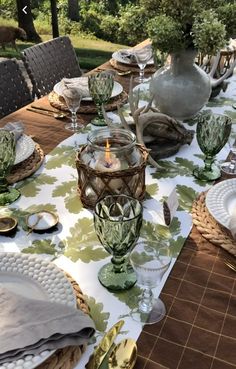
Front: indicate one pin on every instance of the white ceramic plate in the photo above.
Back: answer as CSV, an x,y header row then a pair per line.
x,y
221,201
118,57
117,89
24,148
36,278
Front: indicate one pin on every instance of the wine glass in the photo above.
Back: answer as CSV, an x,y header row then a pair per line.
x,y
117,222
100,89
150,260
213,131
7,158
229,167
142,57
73,99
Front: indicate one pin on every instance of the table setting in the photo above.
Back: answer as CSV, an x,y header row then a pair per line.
x,y
80,240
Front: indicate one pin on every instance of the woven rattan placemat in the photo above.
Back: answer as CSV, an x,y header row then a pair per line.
x,y
87,107
26,167
68,357
209,228
135,69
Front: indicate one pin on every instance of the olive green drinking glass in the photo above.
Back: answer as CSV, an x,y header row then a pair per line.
x,y
213,131
7,158
100,89
117,222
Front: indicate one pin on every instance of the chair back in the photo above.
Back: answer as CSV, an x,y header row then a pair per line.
x,y
14,92
48,62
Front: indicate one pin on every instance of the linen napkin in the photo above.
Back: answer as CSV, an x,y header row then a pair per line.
x,y
79,83
128,55
17,128
29,326
232,224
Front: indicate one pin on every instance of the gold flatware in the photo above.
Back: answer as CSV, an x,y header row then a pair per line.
x,y
32,227
124,73
230,264
124,355
48,113
104,346
39,107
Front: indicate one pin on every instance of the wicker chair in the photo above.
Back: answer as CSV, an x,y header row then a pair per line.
x,y
48,62
14,92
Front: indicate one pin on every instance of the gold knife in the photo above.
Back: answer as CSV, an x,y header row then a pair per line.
x,y
104,346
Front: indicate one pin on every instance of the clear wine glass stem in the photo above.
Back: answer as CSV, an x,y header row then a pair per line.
x,y
145,304
73,117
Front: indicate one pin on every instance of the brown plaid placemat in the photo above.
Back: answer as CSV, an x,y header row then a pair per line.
x,y
199,330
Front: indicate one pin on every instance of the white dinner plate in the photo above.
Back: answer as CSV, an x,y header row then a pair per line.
x,y
33,277
117,89
118,57
221,201
24,148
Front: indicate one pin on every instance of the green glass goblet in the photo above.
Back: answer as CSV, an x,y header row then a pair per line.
x,y
7,158
117,222
213,131
100,89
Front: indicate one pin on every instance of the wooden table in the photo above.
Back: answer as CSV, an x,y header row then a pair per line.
x,y
199,330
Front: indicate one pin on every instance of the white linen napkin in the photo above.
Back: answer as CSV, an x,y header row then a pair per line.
x,y
29,326
232,224
79,83
17,128
128,55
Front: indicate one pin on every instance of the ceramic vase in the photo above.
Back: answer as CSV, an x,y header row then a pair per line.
x,y
181,88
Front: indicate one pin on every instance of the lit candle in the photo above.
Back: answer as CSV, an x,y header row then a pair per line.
x,y
108,162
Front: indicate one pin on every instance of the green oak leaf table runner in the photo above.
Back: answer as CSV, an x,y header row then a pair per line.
x,y
74,245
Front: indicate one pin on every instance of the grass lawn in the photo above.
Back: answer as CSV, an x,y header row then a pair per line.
x,y
91,52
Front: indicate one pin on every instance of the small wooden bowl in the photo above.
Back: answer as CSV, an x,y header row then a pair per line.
x,y
7,224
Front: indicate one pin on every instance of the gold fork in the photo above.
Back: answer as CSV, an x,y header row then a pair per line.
x,y
230,264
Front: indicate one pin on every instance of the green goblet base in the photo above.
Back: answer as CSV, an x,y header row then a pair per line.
x,y
207,175
9,196
117,281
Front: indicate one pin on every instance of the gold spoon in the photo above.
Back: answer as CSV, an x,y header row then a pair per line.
x,y
124,355
48,113
32,227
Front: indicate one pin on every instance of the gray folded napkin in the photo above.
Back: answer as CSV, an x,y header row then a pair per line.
x,y
17,128
79,83
129,55
29,326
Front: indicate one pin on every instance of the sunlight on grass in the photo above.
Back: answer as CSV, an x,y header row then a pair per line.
x,y
91,52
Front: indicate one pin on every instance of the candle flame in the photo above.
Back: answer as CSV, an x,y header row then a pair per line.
x,y
108,153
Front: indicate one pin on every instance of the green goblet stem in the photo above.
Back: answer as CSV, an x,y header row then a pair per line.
x,y
3,185
209,160
118,263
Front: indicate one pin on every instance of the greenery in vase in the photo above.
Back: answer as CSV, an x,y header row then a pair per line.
x,y
205,25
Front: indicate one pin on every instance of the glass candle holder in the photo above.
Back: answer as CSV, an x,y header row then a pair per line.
x,y
111,163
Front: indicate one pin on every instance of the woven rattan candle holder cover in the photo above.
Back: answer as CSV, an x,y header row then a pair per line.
x,y
111,163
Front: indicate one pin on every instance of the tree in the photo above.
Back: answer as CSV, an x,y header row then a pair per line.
x,y
54,19
73,10
25,20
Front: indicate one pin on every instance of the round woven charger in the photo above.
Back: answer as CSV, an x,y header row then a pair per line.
x,y
68,357
133,67
87,107
26,167
209,228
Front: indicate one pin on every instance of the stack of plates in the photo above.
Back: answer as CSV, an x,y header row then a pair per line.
x,y
117,90
221,201
118,56
33,277
24,148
